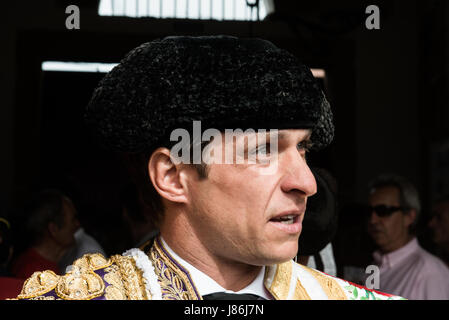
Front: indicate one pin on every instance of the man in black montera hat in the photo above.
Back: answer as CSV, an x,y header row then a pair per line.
x,y
228,230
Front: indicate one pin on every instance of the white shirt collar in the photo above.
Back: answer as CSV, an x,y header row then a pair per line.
x,y
207,285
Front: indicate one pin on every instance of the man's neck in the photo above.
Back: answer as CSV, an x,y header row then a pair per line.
x,y
229,274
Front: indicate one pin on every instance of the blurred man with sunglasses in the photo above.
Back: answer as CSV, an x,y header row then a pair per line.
x,y
406,269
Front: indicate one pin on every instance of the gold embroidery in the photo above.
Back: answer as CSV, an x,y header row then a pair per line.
x,y
115,290
114,293
80,284
132,278
300,292
112,276
329,285
38,284
45,298
175,284
280,286
92,261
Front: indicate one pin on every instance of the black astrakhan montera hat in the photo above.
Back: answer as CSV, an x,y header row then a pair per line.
x,y
225,82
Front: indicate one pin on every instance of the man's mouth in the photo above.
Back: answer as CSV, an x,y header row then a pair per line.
x,y
374,230
288,222
288,219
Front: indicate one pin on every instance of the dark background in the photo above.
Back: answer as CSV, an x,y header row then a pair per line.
x,y
387,87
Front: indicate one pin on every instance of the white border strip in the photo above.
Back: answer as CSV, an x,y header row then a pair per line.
x,y
77,66
106,67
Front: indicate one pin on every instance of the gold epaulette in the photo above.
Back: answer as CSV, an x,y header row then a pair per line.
x,y
92,276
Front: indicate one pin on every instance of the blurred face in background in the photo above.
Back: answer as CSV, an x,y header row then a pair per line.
x,y
65,234
390,232
440,223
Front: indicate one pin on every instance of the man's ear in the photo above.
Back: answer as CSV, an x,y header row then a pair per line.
x,y
411,216
165,176
52,229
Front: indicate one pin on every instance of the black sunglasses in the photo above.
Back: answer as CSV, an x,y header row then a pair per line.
x,y
383,210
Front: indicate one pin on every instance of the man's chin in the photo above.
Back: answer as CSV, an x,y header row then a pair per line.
x,y
269,261
281,255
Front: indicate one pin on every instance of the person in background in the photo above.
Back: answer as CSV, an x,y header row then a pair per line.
x,y
406,269
49,227
6,246
439,224
9,286
353,247
84,243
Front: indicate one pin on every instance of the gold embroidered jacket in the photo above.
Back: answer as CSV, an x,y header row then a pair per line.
x,y
155,275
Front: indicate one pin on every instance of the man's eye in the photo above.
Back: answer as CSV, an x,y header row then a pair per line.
x,y
305,145
262,150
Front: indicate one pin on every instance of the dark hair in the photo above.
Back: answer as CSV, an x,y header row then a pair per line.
x,y
137,165
43,208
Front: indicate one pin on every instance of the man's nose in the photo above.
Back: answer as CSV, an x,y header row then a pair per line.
x,y
373,218
298,176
